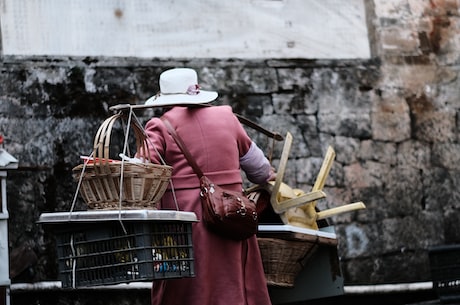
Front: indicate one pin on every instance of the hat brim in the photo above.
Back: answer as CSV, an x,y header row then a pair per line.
x,y
181,99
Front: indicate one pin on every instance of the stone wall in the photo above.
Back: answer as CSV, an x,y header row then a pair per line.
x,y
392,120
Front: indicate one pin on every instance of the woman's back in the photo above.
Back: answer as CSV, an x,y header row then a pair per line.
x,y
227,271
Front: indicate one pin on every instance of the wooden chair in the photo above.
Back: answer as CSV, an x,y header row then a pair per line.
x,y
296,207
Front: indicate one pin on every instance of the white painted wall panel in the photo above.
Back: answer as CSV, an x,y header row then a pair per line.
x,y
186,28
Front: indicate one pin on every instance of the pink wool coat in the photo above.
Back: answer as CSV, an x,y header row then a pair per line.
x,y
227,271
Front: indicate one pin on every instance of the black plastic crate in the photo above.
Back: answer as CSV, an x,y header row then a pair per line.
x,y
445,272
102,248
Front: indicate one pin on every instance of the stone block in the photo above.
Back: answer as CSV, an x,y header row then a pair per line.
x,y
290,79
438,183
412,78
451,226
245,80
446,155
434,126
294,104
410,233
413,154
390,119
346,123
391,9
378,151
399,40
403,191
364,175
346,149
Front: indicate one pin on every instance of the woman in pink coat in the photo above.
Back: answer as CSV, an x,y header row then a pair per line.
x,y
227,271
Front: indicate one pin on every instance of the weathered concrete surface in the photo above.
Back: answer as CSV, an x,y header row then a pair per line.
x,y
392,120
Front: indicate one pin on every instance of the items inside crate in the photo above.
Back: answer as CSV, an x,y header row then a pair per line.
x,y
110,247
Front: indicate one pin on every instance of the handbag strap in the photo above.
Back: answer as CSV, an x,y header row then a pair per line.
x,y
183,148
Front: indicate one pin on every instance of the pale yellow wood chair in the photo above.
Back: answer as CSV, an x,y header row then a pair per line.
x,y
294,206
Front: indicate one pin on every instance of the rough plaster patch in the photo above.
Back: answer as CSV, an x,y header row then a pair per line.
x,y
357,241
89,84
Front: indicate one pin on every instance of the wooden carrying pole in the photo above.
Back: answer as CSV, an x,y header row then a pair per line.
x,y
242,119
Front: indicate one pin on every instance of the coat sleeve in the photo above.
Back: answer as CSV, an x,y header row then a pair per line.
x,y
252,159
256,165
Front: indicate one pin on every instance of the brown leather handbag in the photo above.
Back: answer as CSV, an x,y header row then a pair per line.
x,y
228,213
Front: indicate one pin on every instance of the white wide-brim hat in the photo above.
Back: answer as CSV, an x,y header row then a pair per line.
x,y
179,86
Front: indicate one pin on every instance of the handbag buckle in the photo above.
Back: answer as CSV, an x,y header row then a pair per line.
x,y
242,210
205,190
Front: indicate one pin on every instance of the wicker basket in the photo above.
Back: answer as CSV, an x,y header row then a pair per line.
x,y
286,250
284,259
143,184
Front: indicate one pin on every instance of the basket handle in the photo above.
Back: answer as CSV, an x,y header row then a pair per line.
x,y
102,142
101,147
